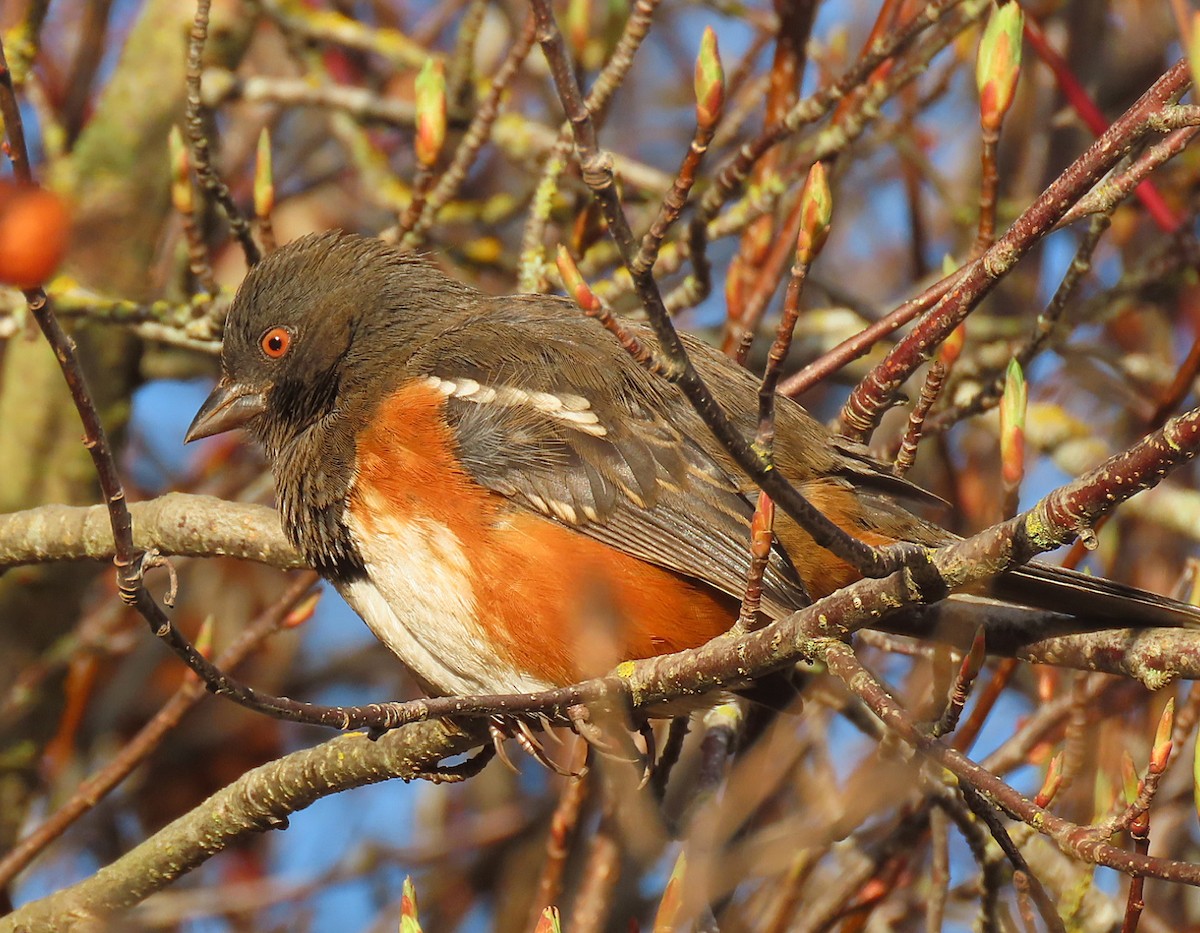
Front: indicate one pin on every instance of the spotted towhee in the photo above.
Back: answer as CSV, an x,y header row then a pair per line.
x,y
477,475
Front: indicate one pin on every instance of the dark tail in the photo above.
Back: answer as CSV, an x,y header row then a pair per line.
x,y
1095,602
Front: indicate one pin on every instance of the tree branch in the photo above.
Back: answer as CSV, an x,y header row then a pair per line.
x,y
259,800
176,524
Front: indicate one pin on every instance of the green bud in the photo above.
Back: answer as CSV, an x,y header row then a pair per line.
x,y
999,63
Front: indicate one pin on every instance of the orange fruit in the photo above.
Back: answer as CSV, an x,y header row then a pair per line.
x,y
34,225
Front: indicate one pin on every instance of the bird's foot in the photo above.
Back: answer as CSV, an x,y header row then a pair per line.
x,y
522,733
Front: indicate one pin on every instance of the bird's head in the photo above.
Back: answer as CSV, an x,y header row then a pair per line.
x,y
312,321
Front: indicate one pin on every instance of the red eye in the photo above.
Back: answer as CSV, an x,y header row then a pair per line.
x,y
276,342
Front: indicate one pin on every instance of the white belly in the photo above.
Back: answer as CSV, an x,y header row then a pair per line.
x,y
418,599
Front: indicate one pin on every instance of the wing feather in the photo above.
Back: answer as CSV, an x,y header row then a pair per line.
x,y
628,476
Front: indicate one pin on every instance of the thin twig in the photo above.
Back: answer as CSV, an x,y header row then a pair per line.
x,y
198,138
1117,188
611,77
93,790
1043,329
764,440
939,870
853,348
960,690
477,134
906,456
562,832
1066,835
596,168
874,394
593,902
733,174
1083,105
990,818
669,757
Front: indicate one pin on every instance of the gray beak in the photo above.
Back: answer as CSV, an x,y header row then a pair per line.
x,y
229,406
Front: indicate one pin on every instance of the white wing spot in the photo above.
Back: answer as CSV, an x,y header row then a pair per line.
x,y
574,402
568,408
563,511
545,401
579,417
507,395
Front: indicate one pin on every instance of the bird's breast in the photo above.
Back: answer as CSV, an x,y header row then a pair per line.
x,y
418,595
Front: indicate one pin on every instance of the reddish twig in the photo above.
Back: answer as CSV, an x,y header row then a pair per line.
x,y
875,392
764,439
906,456
593,902
987,397
737,169
853,348
761,541
964,680
1185,376
1082,103
756,263
562,831
710,102
1111,192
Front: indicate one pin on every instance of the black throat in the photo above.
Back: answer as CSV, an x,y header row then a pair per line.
x,y
314,470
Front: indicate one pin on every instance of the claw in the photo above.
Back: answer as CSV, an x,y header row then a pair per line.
x,y
588,730
497,732
548,728
651,753
596,738
533,747
522,733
